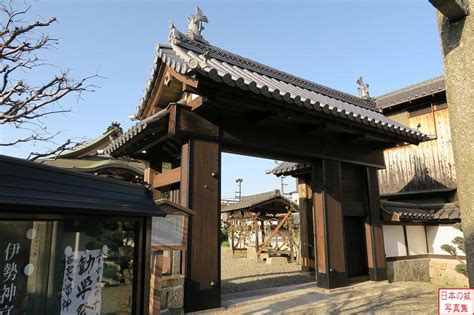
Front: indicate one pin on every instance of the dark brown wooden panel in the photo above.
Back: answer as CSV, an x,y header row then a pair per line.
x,y
200,191
374,232
334,216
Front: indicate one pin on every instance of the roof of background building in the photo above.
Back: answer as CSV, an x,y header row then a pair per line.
x,y
289,168
272,200
411,92
402,211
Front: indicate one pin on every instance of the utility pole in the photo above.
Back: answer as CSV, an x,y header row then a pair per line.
x,y
282,179
239,184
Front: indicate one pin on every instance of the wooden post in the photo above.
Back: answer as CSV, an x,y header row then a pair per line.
x,y
373,231
232,237
200,191
155,282
329,224
255,223
306,224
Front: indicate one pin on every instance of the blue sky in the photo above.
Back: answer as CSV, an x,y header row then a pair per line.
x,y
390,43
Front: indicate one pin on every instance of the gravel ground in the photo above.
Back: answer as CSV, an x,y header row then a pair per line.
x,y
241,274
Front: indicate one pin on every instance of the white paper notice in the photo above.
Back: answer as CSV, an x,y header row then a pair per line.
x,y
81,291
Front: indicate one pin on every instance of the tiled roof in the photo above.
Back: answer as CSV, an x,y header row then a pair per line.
x,y
188,56
248,202
288,168
411,92
136,130
89,148
421,212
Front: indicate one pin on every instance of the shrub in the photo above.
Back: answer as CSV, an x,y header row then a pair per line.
x,y
458,242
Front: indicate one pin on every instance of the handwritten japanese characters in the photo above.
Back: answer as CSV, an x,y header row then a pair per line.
x,y
81,290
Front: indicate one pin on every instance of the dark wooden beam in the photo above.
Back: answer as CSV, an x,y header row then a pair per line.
x,y
270,140
167,178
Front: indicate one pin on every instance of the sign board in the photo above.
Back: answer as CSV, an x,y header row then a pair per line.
x,y
81,290
455,301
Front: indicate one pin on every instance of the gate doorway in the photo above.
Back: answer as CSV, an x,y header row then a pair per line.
x,y
356,250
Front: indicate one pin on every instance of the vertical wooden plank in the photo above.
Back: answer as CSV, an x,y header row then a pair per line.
x,y
329,224
335,218
155,282
200,191
319,221
374,232
306,224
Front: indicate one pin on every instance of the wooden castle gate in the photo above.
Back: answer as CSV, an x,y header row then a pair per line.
x,y
201,101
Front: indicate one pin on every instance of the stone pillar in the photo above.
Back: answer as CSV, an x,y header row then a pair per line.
x,y
457,37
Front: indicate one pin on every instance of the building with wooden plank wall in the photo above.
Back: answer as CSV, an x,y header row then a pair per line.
x,y
417,189
202,100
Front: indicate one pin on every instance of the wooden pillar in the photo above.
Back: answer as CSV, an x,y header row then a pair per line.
x,y
306,224
232,236
373,230
255,226
329,224
200,191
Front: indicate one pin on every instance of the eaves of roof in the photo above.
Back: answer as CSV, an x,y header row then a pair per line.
x,y
411,93
402,211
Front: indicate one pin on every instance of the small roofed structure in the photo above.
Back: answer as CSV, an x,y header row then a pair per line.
x,y
90,158
256,220
54,219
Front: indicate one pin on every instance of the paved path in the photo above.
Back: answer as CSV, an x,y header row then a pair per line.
x,y
366,298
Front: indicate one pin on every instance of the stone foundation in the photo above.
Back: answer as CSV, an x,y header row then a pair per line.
x,y
439,271
409,270
172,292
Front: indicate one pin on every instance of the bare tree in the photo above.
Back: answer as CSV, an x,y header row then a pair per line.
x,y
23,104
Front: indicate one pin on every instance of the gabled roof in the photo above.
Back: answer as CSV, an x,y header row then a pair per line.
x,y
401,211
271,201
37,187
89,148
191,57
412,92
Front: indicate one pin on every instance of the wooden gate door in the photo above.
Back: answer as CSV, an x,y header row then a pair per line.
x,y
356,253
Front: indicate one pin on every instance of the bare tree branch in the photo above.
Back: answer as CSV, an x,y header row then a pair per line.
x,y
55,153
22,103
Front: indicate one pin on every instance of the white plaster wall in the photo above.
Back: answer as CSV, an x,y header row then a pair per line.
x,y
416,240
438,235
394,241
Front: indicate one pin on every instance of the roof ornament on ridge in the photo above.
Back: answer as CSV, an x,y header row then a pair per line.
x,y
195,26
363,88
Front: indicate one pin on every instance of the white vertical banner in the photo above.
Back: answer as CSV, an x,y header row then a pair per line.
x,y
81,290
